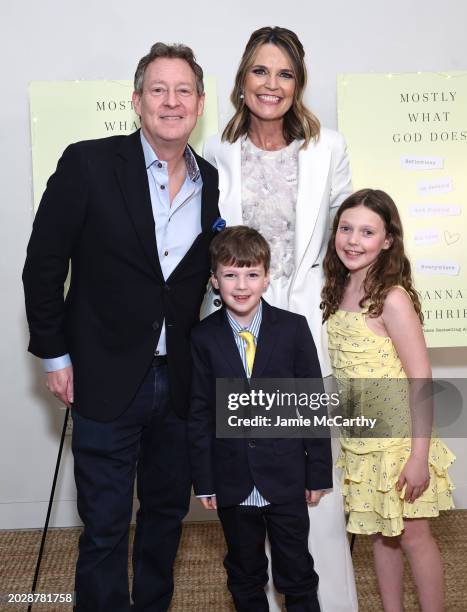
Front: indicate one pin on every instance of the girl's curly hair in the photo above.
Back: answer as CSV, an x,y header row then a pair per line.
x,y
391,267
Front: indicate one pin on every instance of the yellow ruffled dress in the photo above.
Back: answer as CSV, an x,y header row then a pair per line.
x,y
371,465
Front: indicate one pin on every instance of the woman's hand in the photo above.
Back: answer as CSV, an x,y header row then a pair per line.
x,y
416,476
210,503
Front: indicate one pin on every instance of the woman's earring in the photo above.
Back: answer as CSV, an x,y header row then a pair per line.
x,y
242,96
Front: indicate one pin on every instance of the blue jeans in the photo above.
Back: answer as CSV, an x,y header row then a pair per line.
x,y
147,441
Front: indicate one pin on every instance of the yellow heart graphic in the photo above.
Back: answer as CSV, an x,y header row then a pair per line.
x,y
451,238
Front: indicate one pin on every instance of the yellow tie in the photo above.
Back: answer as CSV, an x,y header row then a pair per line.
x,y
250,349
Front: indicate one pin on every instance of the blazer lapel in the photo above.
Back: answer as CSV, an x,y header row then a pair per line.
x,y
266,340
133,180
230,177
209,196
227,347
313,169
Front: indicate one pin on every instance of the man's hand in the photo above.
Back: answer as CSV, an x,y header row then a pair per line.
x,y
60,383
313,497
210,503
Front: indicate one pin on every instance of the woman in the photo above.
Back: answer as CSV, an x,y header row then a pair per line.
x,y
280,173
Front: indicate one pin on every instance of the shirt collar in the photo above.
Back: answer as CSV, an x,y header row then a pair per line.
x,y
150,158
254,325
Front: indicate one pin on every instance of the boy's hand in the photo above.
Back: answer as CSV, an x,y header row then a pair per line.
x,y
210,503
313,497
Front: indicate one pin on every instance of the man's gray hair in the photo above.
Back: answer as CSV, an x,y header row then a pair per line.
x,y
160,49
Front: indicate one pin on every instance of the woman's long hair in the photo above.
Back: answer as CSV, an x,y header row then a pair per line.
x,y
391,267
299,122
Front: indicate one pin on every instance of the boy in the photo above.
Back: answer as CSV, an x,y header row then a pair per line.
x,y
262,485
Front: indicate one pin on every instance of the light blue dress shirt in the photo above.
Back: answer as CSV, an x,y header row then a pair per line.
x,y
177,224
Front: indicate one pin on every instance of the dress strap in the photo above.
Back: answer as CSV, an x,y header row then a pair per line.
x,y
403,289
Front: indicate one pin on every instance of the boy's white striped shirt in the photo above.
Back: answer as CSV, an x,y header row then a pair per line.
x,y
255,498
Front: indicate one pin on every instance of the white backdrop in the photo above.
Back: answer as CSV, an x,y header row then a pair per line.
x,y
56,40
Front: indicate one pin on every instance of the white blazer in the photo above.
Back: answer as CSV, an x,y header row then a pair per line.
x,y
324,181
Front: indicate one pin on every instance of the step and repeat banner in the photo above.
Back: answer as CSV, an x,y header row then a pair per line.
x,y
63,112
407,135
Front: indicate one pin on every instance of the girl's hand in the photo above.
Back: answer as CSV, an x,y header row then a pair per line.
x,y
416,476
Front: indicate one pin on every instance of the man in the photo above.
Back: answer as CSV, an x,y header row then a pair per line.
x,y
135,216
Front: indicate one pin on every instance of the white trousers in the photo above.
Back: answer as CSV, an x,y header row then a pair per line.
x,y
329,547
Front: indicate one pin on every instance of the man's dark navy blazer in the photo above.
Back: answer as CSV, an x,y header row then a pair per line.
x,y
282,468
96,212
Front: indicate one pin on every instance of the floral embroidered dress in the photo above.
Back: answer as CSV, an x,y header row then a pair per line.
x,y
371,465
269,197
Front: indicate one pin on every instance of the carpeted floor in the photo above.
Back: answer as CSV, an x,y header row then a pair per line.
x,y
200,578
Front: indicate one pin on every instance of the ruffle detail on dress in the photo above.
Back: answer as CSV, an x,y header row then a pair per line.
x,y
371,499
357,352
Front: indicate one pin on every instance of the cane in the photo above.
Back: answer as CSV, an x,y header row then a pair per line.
x,y
49,509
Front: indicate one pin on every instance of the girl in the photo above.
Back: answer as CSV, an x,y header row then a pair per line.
x,y
374,319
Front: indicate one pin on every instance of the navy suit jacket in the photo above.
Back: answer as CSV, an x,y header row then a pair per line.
x,y
280,468
96,212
